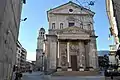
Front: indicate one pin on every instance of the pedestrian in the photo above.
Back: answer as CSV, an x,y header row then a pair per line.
x,y
17,75
112,77
20,75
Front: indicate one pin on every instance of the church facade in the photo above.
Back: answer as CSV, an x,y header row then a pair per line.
x,y
71,41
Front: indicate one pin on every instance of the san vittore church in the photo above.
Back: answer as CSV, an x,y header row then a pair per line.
x,y
71,41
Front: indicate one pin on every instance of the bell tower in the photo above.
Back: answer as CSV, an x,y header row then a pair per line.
x,y
39,50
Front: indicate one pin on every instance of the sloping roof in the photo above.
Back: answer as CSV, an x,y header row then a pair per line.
x,y
70,2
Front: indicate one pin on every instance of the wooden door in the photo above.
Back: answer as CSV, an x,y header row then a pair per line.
x,y
74,62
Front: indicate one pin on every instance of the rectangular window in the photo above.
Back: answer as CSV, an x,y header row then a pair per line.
x,y
53,25
71,24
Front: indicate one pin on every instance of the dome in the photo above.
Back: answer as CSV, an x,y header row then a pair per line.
x,y
42,29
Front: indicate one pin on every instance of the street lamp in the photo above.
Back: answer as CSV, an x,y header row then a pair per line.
x,y
24,19
43,61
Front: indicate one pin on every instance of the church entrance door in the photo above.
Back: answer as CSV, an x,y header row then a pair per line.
x,y
74,62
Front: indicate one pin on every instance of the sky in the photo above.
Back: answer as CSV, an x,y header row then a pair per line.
x,y
35,11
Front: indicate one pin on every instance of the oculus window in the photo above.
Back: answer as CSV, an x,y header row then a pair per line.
x,y
70,10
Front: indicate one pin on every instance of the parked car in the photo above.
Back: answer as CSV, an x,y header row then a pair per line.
x,y
111,72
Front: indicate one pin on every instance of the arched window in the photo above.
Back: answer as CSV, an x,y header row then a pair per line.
x,y
81,25
53,25
61,25
89,26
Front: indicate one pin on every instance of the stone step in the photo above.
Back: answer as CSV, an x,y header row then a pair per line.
x,y
76,73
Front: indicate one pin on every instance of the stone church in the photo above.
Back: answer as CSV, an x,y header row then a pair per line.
x,y
71,41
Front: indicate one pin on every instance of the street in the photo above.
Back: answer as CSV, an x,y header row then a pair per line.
x,y
32,76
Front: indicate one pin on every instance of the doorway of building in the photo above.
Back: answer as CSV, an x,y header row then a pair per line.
x,y
74,62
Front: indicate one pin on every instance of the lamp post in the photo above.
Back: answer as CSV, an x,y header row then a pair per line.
x,y
43,61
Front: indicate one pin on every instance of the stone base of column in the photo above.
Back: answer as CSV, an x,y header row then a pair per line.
x,y
89,69
59,69
81,69
69,69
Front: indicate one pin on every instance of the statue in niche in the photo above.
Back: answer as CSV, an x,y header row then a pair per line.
x,y
63,55
74,48
64,60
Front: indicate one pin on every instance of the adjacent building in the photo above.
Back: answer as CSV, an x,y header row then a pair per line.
x,y
27,66
71,41
18,54
10,14
21,57
110,8
113,11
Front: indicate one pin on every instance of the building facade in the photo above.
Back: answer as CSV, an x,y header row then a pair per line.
x,y
21,57
27,66
39,50
112,21
113,11
10,14
18,54
71,40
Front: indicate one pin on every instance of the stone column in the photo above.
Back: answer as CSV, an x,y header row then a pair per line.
x,y
52,53
58,55
93,54
87,47
68,55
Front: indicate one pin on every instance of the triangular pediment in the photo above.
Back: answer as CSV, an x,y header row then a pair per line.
x,y
64,9
73,30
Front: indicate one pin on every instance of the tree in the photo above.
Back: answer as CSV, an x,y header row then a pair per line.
x,y
103,61
106,61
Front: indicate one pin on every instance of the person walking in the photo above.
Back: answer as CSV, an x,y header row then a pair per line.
x,y
20,75
17,75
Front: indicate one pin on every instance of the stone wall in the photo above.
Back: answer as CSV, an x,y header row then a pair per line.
x,y
10,13
82,18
